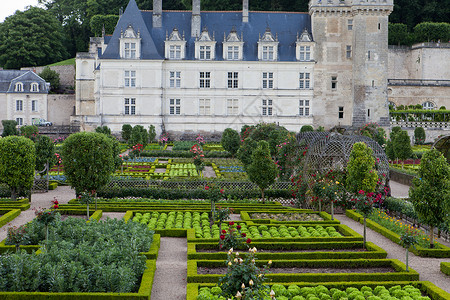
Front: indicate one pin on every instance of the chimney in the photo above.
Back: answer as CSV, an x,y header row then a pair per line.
x,y
245,11
157,13
196,20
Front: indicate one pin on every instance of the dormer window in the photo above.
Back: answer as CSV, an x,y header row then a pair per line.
x,y
305,47
35,87
18,87
205,46
130,44
268,46
175,45
232,46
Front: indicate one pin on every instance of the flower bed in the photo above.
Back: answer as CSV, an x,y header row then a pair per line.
x,y
417,290
293,250
439,250
393,270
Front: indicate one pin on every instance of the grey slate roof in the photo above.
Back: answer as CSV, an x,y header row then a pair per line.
x,y
286,25
8,79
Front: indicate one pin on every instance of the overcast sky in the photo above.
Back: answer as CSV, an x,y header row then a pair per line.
x,y
9,7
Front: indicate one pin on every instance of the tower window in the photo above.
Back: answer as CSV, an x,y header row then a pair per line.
x,y
368,112
334,82
379,26
349,51
341,112
350,24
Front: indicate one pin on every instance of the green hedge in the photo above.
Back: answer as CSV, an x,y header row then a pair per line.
x,y
52,185
373,251
439,250
400,273
426,287
166,193
184,154
445,268
401,206
8,215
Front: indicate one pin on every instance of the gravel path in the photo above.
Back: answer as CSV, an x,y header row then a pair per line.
x,y
171,270
428,268
399,190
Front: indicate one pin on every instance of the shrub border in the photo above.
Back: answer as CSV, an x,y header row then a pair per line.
x,y
8,215
429,288
445,268
400,275
442,251
373,251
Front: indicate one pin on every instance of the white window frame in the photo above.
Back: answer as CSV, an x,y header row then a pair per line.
x,y
34,105
130,106
19,105
232,107
175,79
19,121
205,52
130,50
18,87
233,80
34,87
268,53
175,52
304,108
304,80
233,52
305,53
175,106
267,107
204,107
130,78
428,105
205,80
267,80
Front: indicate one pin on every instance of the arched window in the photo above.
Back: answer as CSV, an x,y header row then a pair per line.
x,y
35,87
428,105
19,87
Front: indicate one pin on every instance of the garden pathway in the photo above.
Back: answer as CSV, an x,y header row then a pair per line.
x,y
428,268
399,190
171,270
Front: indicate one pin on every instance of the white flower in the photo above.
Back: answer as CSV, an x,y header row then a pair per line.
x,y
270,262
235,260
250,282
237,253
243,286
238,295
229,263
272,294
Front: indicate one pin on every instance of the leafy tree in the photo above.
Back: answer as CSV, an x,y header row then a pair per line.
x,y
361,174
231,141
151,133
244,153
262,171
31,38
45,152
30,131
306,128
17,161
103,129
419,136
126,131
108,22
430,192
139,135
429,31
9,128
88,160
399,35
402,145
51,76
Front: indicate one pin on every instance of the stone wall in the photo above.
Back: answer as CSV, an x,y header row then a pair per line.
x,y
66,74
60,108
412,95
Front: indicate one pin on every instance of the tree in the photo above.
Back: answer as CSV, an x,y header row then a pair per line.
x,y
100,22
262,171
9,128
103,129
31,38
151,133
45,152
430,192
17,161
399,35
231,141
402,146
30,131
419,136
88,160
429,31
306,128
126,131
139,135
244,153
51,76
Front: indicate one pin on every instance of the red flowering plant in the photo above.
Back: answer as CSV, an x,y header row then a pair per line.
x,y
16,236
200,140
47,216
214,194
198,157
136,150
233,237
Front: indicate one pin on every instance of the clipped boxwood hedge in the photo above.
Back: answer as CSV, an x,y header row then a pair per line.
x,y
8,215
445,268
373,251
400,273
439,251
428,288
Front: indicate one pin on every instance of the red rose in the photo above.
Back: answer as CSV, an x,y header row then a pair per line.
x,y
55,206
238,227
244,234
222,237
224,231
221,191
206,187
248,241
231,223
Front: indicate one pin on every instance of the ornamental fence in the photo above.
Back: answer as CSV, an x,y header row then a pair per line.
x,y
412,124
230,185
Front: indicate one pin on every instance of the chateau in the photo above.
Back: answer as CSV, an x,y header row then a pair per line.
x,y
206,71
